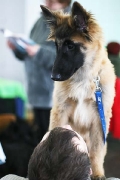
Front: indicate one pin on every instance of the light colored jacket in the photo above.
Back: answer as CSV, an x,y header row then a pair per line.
x,y
14,177
38,68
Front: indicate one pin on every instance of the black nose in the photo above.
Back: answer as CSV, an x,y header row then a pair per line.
x,y
56,77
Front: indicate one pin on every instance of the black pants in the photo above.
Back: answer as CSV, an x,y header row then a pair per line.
x,y
42,117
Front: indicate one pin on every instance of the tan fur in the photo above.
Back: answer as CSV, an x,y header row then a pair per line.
x,y
74,99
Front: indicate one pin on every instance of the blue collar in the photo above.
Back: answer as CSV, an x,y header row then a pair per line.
x,y
98,95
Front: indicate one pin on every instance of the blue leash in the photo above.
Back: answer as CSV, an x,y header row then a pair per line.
x,y
98,95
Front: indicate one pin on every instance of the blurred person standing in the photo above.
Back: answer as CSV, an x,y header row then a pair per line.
x,y
38,65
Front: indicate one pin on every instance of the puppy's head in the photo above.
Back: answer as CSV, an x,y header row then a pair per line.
x,y
74,34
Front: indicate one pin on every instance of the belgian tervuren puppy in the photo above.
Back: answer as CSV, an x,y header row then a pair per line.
x,y
81,57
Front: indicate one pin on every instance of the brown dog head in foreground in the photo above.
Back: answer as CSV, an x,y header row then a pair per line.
x,y
81,57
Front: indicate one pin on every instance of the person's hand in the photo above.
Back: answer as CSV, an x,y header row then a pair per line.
x,y
10,45
32,49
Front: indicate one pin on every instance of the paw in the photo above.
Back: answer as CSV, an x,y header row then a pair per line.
x,y
98,178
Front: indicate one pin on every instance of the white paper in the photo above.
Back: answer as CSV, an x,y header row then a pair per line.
x,y
2,155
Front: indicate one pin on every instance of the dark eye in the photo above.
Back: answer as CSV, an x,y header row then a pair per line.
x,y
70,45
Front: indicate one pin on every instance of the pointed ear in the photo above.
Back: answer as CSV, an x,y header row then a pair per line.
x,y
80,17
50,17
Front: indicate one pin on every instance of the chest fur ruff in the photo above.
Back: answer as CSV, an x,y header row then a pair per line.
x,y
78,101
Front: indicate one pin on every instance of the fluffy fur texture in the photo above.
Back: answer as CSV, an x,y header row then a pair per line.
x,y
81,57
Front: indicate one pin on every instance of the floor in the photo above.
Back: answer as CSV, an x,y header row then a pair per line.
x,y
112,159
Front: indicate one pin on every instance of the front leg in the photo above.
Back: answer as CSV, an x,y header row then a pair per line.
x,y
97,160
97,151
61,113
58,117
